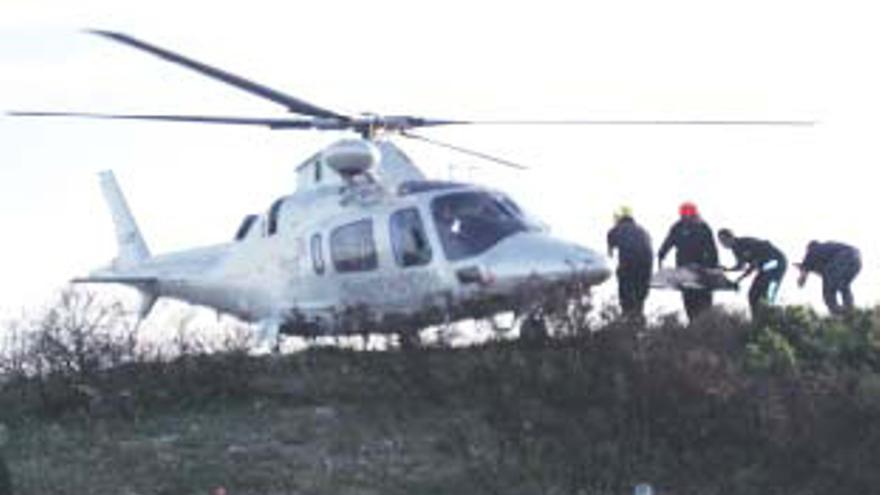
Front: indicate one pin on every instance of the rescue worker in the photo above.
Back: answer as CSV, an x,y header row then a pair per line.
x,y
838,264
694,245
635,262
756,255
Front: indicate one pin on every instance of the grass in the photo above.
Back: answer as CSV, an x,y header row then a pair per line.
x,y
790,405
256,447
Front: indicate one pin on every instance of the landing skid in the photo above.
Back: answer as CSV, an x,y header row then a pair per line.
x,y
533,328
409,340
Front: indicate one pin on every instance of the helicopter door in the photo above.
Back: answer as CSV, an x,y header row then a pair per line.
x,y
353,247
317,254
418,285
409,239
358,279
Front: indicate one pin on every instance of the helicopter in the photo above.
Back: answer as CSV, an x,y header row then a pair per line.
x,y
365,244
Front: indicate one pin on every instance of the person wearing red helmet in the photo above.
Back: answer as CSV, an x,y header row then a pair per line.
x,y
694,244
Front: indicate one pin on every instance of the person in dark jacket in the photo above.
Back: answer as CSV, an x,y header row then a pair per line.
x,y
756,255
635,262
838,264
694,245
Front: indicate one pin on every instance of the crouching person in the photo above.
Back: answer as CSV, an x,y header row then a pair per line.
x,y
756,255
838,264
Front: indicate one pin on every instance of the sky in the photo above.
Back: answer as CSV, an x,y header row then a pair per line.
x,y
190,185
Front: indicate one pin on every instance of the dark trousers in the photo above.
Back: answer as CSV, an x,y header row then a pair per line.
x,y
837,277
632,288
760,292
696,301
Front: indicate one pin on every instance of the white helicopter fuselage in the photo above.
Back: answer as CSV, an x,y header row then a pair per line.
x,y
366,243
389,252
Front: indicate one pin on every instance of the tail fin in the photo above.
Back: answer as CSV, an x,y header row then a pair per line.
x,y
132,248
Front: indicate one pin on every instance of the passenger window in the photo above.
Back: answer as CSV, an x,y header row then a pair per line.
x,y
245,227
353,248
411,246
317,254
273,216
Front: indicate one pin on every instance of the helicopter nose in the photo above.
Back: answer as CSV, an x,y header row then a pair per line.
x,y
530,255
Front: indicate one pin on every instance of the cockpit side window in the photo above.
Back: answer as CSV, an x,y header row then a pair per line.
x,y
353,248
471,222
317,254
408,238
510,205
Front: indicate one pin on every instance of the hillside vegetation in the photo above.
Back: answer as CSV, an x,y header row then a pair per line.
x,y
791,405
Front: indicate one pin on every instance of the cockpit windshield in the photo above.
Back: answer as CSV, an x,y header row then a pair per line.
x,y
471,222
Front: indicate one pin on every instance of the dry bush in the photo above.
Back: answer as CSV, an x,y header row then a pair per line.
x,y
56,360
788,404
722,405
83,354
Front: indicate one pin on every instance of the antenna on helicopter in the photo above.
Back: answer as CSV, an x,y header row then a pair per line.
x,y
466,151
367,125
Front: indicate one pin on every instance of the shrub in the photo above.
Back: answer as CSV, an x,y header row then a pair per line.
x,y
787,404
82,354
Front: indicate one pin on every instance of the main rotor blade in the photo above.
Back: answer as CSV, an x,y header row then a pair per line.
x,y
293,104
272,123
466,151
629,122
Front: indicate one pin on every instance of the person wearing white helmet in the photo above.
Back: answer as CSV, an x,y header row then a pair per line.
x,y
635,262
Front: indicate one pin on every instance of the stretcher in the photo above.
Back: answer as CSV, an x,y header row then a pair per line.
x,y
692,277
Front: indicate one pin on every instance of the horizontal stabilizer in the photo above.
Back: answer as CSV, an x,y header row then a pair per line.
x,y
147,286
116,280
